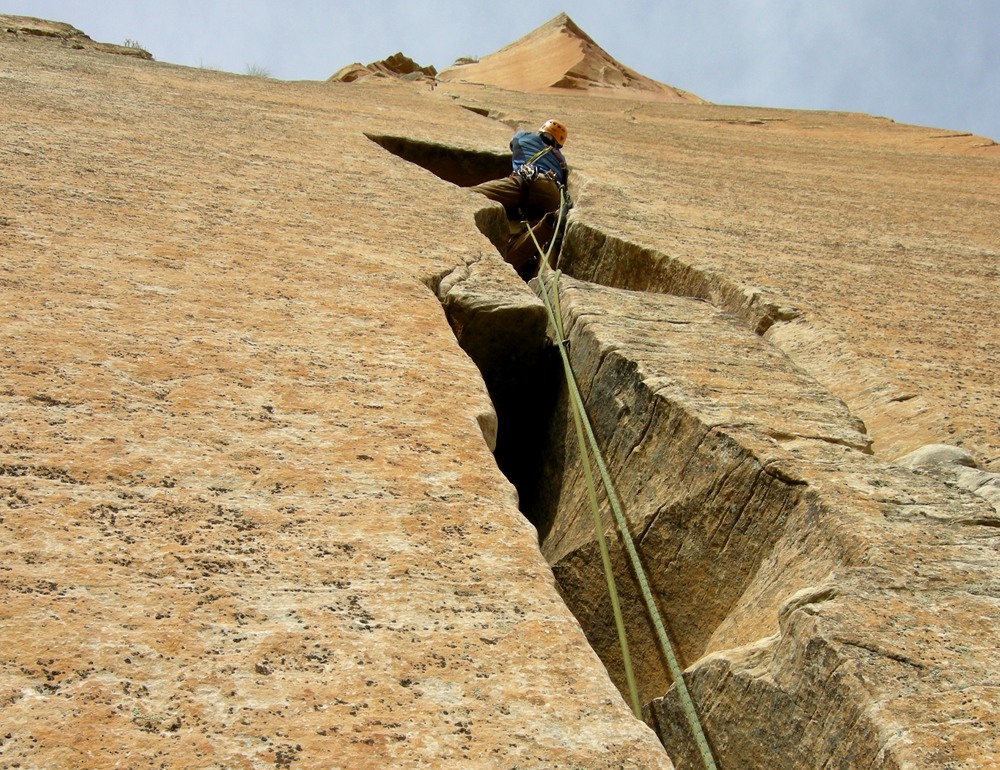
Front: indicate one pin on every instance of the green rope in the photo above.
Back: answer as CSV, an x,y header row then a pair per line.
x,y
580,416
609,574
595,510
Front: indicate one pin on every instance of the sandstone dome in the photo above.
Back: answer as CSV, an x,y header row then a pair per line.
x,y
559,57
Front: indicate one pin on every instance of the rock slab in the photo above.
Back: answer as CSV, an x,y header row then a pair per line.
x,y
798,575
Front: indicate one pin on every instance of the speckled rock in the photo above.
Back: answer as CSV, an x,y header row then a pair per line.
x,y
954,465
249,512
797,574
249,515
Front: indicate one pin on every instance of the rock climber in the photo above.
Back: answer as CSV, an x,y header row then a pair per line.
x,y
532,190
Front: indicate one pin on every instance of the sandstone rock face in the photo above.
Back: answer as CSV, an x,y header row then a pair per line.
x,y
66,34
250,510
798,574
956,466
398,65
559,57
250,516
834,611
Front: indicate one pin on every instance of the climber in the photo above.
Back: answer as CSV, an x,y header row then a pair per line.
x,y
532,190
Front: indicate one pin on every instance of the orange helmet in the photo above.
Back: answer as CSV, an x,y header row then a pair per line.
x,y
556,130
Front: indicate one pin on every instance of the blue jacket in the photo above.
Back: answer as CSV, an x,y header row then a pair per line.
x,y
526,144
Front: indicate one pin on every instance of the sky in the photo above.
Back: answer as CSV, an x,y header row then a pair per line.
x,y
928,62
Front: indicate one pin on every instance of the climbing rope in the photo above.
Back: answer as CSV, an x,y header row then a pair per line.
x,y
591,488
584,427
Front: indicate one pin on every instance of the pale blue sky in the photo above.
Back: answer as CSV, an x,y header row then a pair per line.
x,y
929,62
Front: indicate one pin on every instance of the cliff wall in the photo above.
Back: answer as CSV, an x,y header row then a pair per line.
x,y
250,512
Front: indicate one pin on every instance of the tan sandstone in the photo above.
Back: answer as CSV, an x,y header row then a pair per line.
x,y
251,518
250,513
559,57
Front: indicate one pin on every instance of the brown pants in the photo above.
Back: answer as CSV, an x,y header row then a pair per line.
x,y
522,200
535,201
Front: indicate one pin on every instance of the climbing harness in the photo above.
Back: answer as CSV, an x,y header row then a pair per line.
x,y
584,427
528,172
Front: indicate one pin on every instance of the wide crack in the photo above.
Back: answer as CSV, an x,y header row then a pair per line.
x,y
505,332
464,168
711,510
507,340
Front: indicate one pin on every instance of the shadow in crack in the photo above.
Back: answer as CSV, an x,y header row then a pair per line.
x,y
524,391
506,339
464,168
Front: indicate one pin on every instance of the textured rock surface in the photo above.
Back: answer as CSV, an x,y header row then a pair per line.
x,y
831,601
865,250
955,466
248,510
396,65
65,34
249,517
